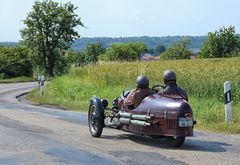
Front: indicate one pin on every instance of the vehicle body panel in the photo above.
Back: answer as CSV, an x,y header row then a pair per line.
x,y
165,113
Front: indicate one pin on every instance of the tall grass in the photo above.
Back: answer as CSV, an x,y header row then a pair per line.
x,y
203,80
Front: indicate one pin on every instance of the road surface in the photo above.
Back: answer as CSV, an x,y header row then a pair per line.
x,y
38,135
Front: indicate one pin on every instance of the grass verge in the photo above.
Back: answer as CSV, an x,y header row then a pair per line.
x,y
17,79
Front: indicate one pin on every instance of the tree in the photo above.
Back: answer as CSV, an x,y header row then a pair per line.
x,y
124,52
150,51
222,43
92,52
177,51
49,31
76,59
159,49
14,62
89,55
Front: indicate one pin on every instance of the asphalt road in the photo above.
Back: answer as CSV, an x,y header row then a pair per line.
x,y
37,135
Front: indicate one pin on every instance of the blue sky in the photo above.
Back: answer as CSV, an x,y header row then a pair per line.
x,y
125,18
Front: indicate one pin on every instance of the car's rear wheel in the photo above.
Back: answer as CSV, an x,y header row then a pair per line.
x,y
95,119
176,141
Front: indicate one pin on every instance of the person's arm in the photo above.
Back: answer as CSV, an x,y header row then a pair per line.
x,y
130,100
184,94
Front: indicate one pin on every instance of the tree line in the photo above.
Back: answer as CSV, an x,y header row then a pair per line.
x,y
151,42
14,62
50,30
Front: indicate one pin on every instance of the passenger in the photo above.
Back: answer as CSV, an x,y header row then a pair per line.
x,y
172,88
135,96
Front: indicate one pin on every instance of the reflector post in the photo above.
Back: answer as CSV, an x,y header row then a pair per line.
x,y
227,96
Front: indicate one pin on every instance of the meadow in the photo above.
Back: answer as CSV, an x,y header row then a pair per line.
x,y
203,79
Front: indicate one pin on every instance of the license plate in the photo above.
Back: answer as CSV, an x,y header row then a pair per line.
x,y
185,122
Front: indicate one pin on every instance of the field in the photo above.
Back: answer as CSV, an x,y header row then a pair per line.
x,y
202,79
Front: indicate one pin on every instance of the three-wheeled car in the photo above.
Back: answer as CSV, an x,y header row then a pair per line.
x,y
159,116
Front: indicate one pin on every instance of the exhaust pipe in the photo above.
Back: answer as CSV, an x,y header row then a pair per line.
x,y
135,116
133,122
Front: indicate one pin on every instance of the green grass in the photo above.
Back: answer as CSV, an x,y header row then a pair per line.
x,y
203,80
210,116
17,79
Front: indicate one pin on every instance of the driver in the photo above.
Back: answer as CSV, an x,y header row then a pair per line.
x,y
172,88
135,97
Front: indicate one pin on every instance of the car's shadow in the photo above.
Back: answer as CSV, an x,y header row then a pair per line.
x,y
189,144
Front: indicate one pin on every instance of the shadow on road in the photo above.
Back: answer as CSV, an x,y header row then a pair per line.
x,y
116,137
208,146
189,144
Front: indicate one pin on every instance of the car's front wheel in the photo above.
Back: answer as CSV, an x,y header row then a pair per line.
x,y
95,119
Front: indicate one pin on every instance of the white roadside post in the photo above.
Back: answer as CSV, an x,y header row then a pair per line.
x,y
227,96
42,80
39,80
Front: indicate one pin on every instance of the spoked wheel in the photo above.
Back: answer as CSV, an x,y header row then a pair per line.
x,y
175,141
95,119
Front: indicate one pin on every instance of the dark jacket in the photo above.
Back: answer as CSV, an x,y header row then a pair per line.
x,y
136,96
173,89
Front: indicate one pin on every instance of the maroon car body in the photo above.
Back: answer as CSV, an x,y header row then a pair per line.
x,y
165,113
168,116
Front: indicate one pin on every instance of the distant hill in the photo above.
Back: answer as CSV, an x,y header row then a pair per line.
x,y
151,42
11,44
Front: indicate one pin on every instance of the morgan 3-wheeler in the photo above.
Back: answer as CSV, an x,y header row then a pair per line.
x,y
157,116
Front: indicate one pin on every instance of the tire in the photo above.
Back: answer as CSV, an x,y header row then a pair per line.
x,y
95,118
175,142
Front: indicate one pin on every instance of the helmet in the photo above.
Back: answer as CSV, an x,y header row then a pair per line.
x,y
169,75
142,82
